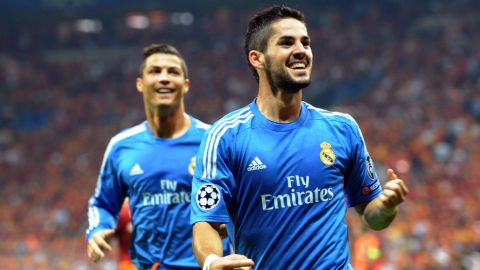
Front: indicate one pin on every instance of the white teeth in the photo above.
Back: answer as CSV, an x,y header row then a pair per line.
x,y
164,90
298,65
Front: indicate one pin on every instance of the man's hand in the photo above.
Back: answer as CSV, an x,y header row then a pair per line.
x,y
394,191
99,243
379,213
232,262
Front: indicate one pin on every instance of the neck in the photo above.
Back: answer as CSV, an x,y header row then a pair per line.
x,y
279,106
169,124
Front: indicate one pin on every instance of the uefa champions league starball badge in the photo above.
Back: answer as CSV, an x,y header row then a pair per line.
x,y
208,196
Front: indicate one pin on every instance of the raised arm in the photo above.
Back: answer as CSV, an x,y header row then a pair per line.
x,y
379,213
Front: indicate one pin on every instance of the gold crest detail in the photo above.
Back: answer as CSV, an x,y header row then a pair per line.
x,y
191,166
327,156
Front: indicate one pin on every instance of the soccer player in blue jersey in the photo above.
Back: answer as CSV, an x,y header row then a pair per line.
x,y
282,170
151,163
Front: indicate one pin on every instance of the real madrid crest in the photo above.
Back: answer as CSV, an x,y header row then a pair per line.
x,y
191,166
327,156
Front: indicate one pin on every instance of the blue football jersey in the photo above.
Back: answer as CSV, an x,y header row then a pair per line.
x,y
285,186
156,174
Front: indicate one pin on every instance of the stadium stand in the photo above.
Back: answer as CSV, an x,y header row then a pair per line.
x,y
408,71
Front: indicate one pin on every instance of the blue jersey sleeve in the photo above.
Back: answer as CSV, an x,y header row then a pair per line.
x,y
105,204
213,183
361,182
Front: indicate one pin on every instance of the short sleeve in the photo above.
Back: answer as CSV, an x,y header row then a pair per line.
x,y
361,183
213,183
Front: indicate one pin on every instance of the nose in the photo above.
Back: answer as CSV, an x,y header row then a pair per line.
x,y
299,50
163,77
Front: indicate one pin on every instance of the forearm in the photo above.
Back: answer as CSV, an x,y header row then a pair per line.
x,y
380,212
206,241
377,216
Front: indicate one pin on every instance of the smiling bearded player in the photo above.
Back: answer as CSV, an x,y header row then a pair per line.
x,y
283,170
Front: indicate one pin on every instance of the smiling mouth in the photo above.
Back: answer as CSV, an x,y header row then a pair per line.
x,y
298,66
164,91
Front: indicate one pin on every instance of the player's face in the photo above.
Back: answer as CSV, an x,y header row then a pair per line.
x,y
163,83
288,59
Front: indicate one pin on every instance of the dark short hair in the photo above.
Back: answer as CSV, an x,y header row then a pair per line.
x,y
165,49
259,28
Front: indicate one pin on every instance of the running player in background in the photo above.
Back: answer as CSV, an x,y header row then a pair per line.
x,y
283,170
151,163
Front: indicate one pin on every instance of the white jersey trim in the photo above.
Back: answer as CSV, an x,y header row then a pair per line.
x,y
115,139
202,125
93,212
93,218
218,130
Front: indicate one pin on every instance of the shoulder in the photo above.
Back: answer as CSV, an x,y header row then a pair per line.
x,y
121,139
127,134
232,122
197,124
198,129
331,116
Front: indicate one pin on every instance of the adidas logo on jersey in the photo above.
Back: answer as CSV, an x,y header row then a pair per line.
x,y
136,170
256,164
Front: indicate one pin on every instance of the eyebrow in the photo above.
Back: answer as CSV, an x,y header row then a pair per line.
x,y
164,66
290,38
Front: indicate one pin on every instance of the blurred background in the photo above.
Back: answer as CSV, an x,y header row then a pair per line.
x,y
408,71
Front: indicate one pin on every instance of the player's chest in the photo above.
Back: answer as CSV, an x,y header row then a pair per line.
x,y
295,160
157,168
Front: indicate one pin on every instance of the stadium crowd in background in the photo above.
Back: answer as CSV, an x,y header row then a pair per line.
x,y
410,75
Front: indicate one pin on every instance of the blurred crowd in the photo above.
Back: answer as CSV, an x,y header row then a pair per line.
x,y
408,73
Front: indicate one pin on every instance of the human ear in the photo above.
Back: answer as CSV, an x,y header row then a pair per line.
x,y
256,59
139,84
186,86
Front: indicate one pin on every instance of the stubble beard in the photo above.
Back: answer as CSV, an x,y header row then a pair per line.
x,y
282,80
